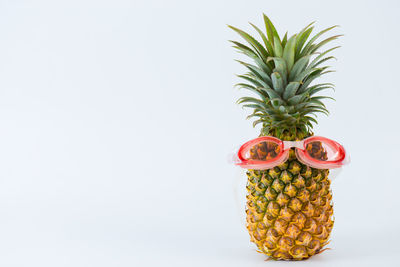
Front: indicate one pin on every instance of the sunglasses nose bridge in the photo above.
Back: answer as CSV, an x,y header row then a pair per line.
x,y
290,144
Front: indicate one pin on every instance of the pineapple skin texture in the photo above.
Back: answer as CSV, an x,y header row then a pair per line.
x,y
289,210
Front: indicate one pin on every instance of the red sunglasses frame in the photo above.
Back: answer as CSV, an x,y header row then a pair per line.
x,y
283,155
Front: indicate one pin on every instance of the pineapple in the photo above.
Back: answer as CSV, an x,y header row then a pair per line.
x,y
289,207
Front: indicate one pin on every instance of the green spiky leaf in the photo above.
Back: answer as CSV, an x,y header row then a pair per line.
x,y
289,52
290,90
271,31
277,82
253,42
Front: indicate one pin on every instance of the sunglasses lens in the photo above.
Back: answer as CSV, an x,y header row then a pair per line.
x,y
266,150
322,151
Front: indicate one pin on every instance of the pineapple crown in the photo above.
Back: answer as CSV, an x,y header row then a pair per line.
x,y
282,78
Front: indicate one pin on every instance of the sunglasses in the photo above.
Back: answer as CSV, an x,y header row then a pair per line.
x,y
267,152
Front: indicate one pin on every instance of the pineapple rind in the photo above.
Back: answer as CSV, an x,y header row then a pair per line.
x,y
289,210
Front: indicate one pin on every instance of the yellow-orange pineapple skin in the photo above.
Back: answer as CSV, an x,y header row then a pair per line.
x,y
289,210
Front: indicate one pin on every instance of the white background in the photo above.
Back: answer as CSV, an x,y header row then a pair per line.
x,y
116,118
